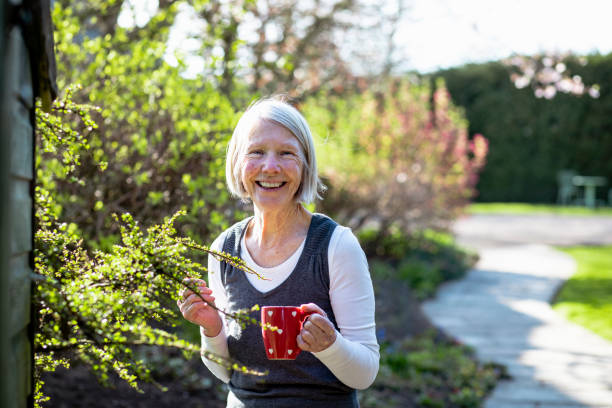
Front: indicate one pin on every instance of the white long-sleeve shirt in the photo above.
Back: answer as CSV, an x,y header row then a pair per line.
x,y
354,357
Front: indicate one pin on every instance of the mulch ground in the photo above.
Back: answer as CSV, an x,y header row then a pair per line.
x,y
78,387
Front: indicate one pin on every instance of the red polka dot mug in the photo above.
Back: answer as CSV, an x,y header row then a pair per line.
x,y
281,343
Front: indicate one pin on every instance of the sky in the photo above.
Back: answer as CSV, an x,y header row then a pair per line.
x,y
444,33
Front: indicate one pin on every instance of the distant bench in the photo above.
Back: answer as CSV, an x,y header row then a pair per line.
x,y
590,184
570,184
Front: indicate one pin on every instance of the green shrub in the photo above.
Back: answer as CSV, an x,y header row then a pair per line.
x,y
424,278
423,260
433,372
160,136
99,307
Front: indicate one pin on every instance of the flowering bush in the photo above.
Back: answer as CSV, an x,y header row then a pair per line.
x,y
400,157
97,307
548,74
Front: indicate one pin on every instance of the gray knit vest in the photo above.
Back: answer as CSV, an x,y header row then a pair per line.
x,y
304,382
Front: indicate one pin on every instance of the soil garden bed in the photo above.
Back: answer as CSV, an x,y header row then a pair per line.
x,y
79,387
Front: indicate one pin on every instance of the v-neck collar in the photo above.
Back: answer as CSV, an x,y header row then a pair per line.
x,y
292,276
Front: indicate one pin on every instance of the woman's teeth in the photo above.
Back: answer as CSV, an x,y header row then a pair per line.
x,y
266,184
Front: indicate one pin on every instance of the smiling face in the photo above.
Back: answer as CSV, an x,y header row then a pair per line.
x,y
272,166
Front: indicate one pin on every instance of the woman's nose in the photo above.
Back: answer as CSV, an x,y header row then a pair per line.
x,y
271,163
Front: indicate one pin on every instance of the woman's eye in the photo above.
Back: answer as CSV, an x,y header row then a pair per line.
x,y
256,152
287,153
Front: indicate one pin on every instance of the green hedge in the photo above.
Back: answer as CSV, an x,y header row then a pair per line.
x,y
530,138
424,260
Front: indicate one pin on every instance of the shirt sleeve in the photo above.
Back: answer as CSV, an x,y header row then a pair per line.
x,y
216,345
354,357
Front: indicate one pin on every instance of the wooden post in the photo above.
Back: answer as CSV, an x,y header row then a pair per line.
x,y
27,70
4,156
18,137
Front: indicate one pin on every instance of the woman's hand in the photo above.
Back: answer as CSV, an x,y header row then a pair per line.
x,y
318,333
198,311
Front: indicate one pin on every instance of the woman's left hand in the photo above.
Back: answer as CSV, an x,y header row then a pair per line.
x,y
318,333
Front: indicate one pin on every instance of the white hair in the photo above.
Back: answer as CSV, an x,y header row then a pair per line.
x,y
287,116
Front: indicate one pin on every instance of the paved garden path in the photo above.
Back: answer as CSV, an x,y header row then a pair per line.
x,y
501,308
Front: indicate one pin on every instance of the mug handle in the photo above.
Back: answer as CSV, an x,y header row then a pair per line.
x,y
304,316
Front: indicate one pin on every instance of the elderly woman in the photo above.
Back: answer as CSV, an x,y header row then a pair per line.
x,y
307,259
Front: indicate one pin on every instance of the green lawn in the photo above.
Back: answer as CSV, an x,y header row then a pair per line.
x,y
586,298
524,208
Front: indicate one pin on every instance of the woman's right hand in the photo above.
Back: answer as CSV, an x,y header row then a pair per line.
x,y
198,311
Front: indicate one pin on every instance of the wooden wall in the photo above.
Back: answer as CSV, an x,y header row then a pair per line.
x,y
27,72
18,183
